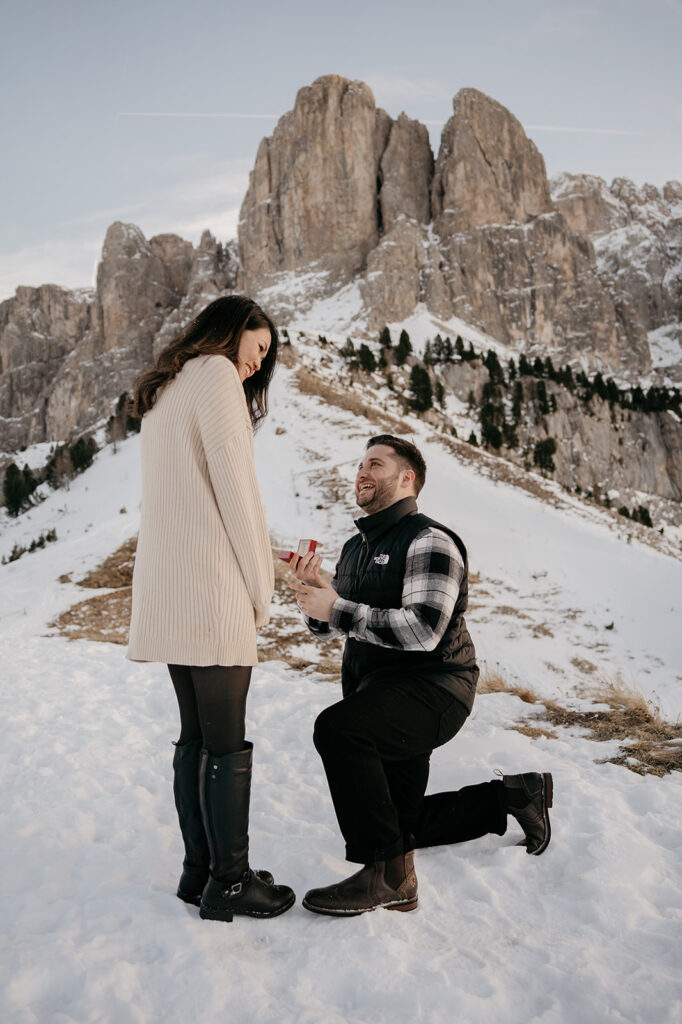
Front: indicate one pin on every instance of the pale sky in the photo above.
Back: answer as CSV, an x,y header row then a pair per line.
x,y
596,83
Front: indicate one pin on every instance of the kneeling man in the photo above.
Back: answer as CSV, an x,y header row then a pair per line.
x,y
409,677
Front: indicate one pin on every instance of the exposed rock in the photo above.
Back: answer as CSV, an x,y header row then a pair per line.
x,y
65,357
403,271
135,287
39,327
515,268
488,171
587,204
312,195
405,173
637,234
599,449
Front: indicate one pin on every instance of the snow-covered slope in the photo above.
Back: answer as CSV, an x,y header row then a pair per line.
x,y
91,928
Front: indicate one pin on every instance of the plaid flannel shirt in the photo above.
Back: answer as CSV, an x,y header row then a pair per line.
x,y
433,573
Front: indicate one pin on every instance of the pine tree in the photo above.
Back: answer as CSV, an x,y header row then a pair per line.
x,y
492,364
420,385
439,394
348,350
524,366
543,455
404,347
385,338
541,396
517,401
448,354
459,346
367,359
14,489
428,356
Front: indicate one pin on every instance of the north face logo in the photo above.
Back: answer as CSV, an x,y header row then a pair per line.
x,y
381,559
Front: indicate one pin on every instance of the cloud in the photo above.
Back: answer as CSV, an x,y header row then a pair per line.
x,y
71,264
186,208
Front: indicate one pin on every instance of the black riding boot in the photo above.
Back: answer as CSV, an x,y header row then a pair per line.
x,y
186,761
232,888
186,791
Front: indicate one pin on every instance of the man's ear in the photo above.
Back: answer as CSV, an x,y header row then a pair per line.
x,y
409,477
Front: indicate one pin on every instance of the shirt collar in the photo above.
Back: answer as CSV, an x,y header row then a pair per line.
x,y
372,527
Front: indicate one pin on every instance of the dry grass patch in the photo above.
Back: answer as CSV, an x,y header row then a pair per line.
x,y
115,571
286,630
649,744
492,681
103,618
584,666
310,384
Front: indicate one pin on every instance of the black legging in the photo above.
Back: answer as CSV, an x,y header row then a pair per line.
x,y
212,702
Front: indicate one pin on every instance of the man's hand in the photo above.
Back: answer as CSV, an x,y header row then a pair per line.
x,y
307,567
315,597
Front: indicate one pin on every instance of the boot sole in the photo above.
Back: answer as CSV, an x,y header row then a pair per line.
x,y
186,898
547,797
218,914
402,907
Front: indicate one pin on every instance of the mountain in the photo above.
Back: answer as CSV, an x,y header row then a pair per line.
x,y
351,223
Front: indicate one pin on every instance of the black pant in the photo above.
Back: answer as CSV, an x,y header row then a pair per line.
x,y
375,745
212,703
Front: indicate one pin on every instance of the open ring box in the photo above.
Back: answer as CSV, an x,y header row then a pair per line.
x,y
304,546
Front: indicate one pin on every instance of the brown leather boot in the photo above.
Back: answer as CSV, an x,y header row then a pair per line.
x,y
528,798
368,889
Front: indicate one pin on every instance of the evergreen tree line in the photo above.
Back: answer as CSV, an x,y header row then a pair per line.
x,y
66,461
18,550
497,428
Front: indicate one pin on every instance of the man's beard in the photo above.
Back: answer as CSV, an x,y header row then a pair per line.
x,y
381,497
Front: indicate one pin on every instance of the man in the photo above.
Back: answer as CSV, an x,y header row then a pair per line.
x,y
409,677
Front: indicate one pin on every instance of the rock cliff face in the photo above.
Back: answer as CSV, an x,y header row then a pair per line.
x,y
343,196
637,237
65,356
342,191
312,192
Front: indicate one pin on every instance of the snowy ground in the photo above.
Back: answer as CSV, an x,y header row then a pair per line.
x,y
91,930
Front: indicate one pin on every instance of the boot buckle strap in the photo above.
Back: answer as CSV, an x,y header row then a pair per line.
x,y
234,890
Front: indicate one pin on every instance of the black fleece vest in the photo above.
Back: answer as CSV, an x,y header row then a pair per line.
x,y
371,571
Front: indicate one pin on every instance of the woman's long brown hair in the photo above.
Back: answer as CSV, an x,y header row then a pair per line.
x,y
217,330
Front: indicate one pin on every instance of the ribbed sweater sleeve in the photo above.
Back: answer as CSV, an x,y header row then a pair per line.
x,y
228,444
235,486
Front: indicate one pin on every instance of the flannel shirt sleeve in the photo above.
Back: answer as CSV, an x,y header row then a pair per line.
x,y
433,573
323,630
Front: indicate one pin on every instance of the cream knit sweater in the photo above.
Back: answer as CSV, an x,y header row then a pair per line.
x,y
203,578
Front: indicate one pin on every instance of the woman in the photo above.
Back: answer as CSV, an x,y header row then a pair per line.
x,y
203,583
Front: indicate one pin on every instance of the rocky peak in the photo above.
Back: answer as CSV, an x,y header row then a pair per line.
x,y
405,173
488,171
312,192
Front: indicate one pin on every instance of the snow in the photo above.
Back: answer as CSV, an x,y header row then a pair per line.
x,y
91,929
665,347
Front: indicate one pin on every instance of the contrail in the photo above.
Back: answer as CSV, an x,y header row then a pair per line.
x,y
591,131
138,113
557,128
270,117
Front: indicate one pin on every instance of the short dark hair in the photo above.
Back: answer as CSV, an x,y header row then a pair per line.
x,y
406,451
